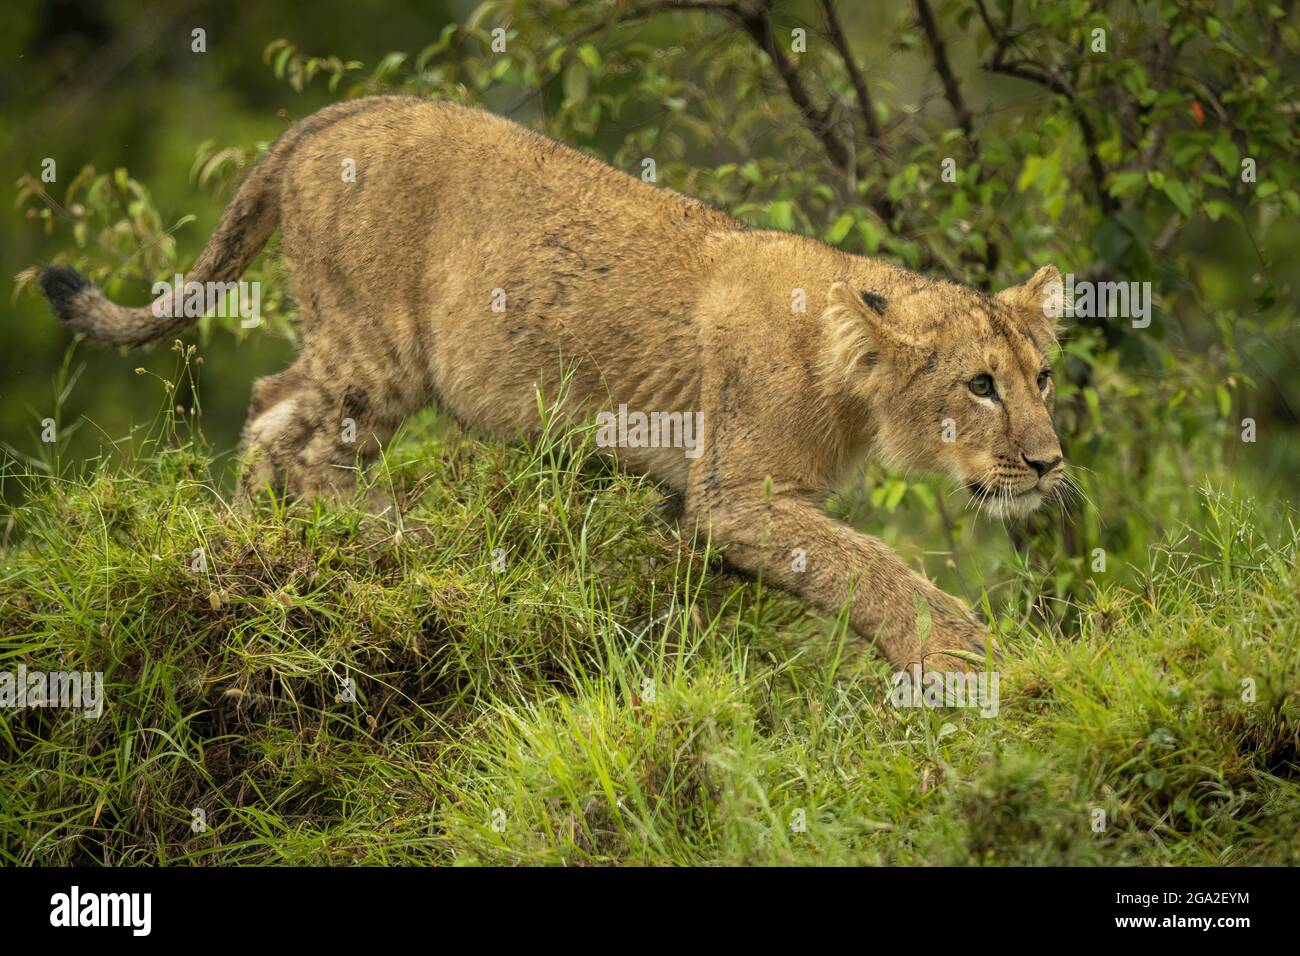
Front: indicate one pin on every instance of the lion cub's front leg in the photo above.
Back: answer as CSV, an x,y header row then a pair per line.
x,y
788,542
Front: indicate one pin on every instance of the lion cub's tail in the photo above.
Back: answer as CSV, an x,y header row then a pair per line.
x,y
245,227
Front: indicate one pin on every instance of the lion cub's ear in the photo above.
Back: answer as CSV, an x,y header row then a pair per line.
x,y
860,327
1038,303
871,312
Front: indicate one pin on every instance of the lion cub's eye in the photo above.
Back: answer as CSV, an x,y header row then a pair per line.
x,y
982,385
1044,377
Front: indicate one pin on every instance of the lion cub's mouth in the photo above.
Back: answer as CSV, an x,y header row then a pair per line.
x,y
981,490
997,500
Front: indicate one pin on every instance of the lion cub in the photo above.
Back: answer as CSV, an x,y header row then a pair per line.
x,y
468,261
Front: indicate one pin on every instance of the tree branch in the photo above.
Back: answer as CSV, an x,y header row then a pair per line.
x,y
951,89
866,106
1002,37
640,11
952,93
1049,79
755,19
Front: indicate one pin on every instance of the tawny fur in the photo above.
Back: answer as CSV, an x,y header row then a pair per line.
x,y
644,298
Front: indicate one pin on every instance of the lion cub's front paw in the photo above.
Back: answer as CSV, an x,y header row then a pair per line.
x,y
955,645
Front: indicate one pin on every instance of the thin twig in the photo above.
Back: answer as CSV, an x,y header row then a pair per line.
x,y
866,106
951,88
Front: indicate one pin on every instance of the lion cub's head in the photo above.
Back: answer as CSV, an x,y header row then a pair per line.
x,y
958,382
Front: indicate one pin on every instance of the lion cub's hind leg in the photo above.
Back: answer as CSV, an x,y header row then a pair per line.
x,y
273,434
308,437
350,429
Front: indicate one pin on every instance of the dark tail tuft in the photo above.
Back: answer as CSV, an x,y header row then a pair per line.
x,y
61,285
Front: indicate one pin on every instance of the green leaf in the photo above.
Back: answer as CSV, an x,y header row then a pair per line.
x,y
781,215
839,229
390,63
1178,195
925,495
589,55
1225,152
1093,402
1217,209
896,491
1121,184
872,235
575,82
1224,399
480,14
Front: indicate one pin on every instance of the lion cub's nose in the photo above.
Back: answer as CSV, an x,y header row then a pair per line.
x,y
1042,466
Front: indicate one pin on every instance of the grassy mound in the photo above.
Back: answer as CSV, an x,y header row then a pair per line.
x,y
522,661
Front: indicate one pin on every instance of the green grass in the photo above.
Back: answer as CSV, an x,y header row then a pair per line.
x,y
612,695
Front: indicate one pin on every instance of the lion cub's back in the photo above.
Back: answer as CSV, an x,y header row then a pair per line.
x,y
488,255
392,187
